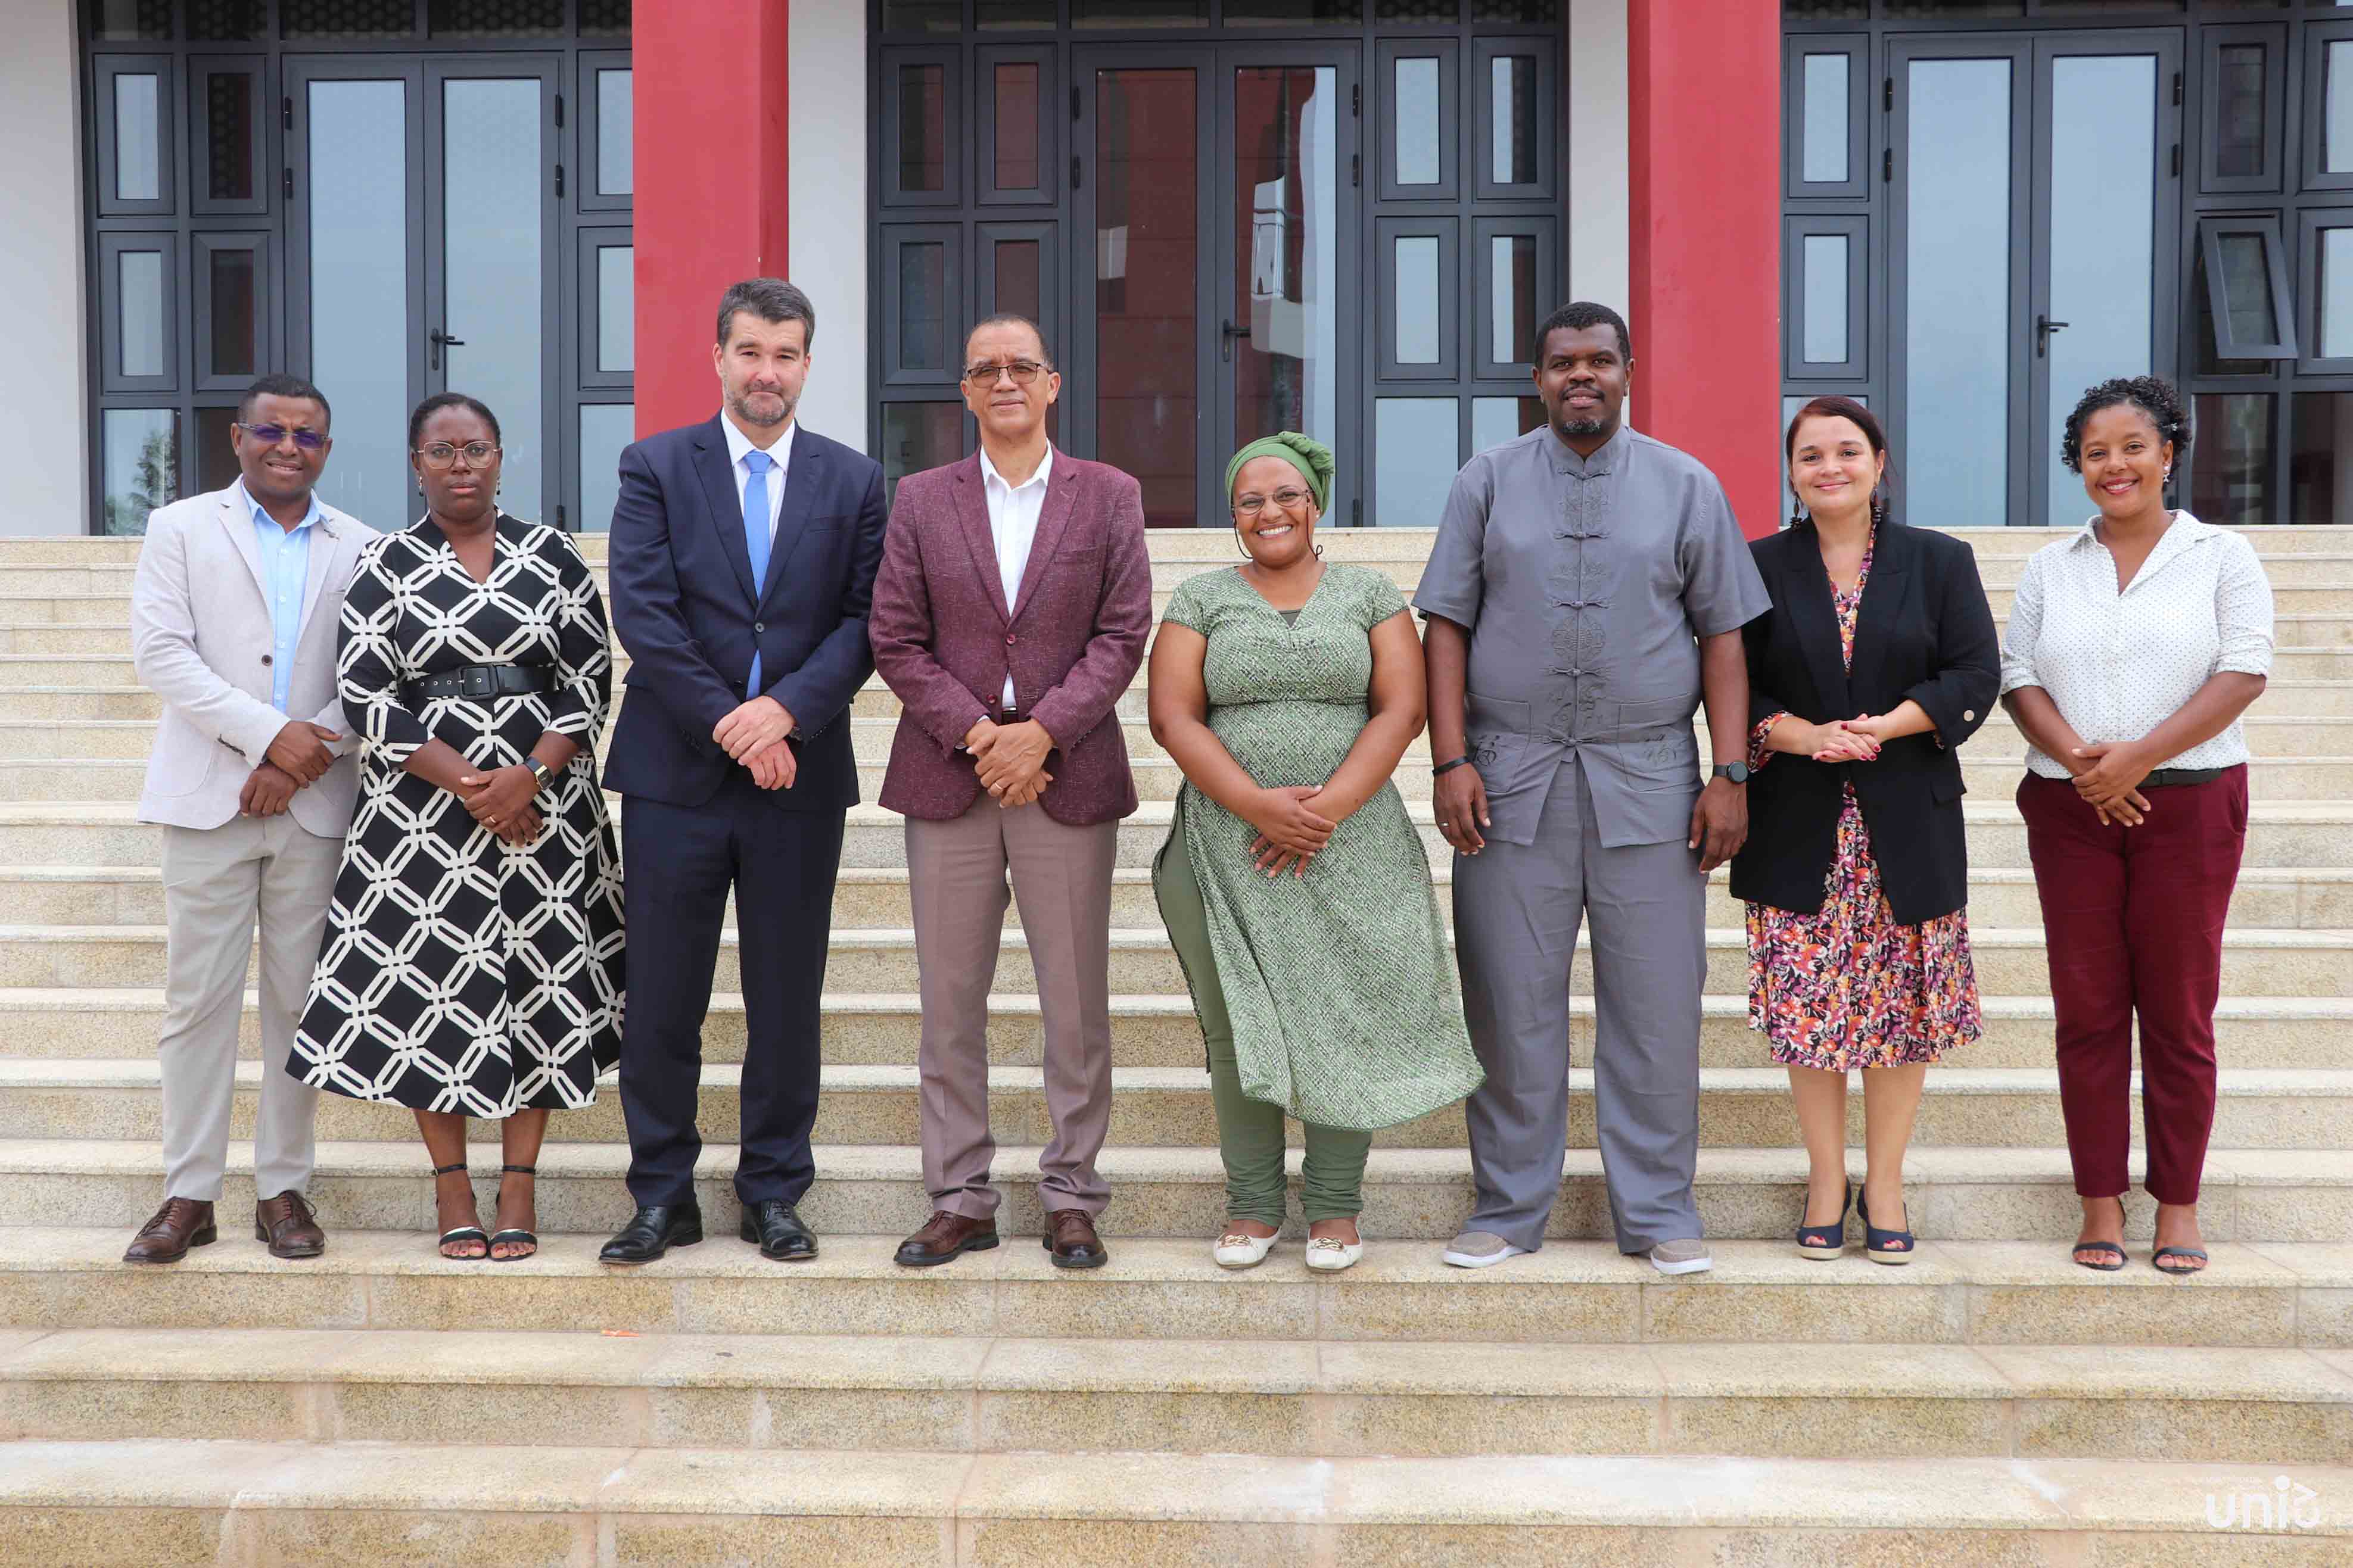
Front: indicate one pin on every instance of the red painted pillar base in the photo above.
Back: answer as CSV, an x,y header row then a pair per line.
x,y
1704,98
709,143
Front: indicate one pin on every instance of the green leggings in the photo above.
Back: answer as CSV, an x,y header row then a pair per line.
x,y
1250,1132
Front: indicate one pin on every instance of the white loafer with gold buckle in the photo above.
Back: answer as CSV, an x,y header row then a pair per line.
x,y
1235,1250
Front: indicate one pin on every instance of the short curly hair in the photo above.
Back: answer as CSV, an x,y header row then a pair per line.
x,y
2152,394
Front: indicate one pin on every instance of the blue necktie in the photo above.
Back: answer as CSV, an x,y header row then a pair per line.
x,y
755,540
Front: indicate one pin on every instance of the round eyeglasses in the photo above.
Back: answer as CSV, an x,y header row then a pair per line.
x,y
442,454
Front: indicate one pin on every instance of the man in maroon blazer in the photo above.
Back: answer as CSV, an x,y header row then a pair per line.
x,y
1010,615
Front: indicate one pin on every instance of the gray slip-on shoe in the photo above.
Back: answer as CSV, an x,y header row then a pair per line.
x,y
1479,1249
1681,1257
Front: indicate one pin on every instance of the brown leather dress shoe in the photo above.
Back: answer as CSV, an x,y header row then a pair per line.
x,y
1071,1237
944,1236
287,1224
179,1225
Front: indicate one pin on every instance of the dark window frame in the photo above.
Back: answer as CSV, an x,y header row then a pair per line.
x,y
1052,117
1544,229
207,243
170,381
1448,53
2310,222
2211,42
1855,229
1856,47
2282,344
1445,231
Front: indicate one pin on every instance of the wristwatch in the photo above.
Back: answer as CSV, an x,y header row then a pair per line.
x,y
1736,772
540,772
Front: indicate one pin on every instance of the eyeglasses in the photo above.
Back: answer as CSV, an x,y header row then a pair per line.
x,y
441,454
270,434
1287,498
1022,371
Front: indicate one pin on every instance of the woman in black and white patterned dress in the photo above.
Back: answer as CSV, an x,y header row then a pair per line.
x,y
472,965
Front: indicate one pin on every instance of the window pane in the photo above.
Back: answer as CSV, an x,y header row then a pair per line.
x,y
1016,126
1495,420
1415,106
2320,466
234,290
919,436
1826,118
1139,12
1415,327
1413,459
1016,263
605,429
2247,287
2337,111
347,18
359,291
120,20
616,122
923,16
1295,12
1512,284
493,172
137,154
230,127
1287,245
1147,249
1010,15
495,18
216,456
616,307
922,128
1957,317
923,306
2336,293
139,282
1512,90
142,463
2232,475
1824,282
2239,111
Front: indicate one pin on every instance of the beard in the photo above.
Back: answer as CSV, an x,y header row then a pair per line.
x,y
1584,426
740,405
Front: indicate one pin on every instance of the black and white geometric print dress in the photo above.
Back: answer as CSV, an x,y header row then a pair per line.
x,y
459,972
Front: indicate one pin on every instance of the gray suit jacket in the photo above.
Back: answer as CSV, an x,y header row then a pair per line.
x,y
200,639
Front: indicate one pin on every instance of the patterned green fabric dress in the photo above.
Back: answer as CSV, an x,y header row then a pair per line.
x,y
1339,984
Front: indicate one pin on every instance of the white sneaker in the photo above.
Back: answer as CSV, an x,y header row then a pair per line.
x,y
1235,1250
1329,1254
1479,1249
1685,1256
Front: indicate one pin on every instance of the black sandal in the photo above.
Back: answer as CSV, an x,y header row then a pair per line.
x,y
1828,1240
464,1232
2110,1247
514,1234
1891,1246
2156,1260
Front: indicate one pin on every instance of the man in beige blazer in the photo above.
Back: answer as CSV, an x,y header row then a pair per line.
x,y
233,624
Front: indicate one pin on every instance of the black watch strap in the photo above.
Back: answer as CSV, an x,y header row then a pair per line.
x,y
1447,767
538,770
1738,773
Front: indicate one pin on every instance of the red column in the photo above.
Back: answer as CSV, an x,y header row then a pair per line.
x,y
709,143
1704,102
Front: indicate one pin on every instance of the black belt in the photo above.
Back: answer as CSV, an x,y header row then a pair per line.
x,y
481,680
2172,778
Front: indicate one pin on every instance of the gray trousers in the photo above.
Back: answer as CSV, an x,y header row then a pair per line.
x,y
1516,910
957,880
219,883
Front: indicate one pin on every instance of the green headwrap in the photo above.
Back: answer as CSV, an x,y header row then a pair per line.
x,y
1312,457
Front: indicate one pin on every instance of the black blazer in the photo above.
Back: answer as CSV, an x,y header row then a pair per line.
x,y
685,607
1924,631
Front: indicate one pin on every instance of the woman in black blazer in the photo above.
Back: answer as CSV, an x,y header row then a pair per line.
x,y
1876,661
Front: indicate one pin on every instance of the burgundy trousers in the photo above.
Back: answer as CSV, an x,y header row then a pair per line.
x,y
2132,918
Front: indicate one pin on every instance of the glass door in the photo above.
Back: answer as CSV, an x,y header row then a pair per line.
x,y
1215,246
2035,177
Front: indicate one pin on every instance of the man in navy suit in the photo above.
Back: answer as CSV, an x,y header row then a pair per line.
x,y
743,552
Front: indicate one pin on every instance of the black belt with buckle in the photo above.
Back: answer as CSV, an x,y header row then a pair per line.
x,y
479,680
2173,778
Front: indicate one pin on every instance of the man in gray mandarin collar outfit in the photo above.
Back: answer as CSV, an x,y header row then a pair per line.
x,y
1584,596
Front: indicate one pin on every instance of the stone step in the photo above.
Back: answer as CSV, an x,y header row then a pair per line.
x,y
1169,1108
2287,897
1954,1194
108,833
1263,1397
2009,959
2259,1032
155,1501
1954,1292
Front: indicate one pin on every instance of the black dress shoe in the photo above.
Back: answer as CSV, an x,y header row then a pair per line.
x,y
777,1228
653,1230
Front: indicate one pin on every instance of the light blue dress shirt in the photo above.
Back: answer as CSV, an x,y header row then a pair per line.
x,y
285,572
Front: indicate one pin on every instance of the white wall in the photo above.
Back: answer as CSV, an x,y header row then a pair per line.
x,y
1598,227
43,408
826,207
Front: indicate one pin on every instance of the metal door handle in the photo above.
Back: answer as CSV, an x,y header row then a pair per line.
x,y
2044,327
441,340
1226,341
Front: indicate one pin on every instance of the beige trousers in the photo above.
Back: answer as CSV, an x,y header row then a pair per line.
x,y
219,883
956,877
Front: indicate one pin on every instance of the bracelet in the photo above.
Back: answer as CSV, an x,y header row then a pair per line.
x,y
1444,768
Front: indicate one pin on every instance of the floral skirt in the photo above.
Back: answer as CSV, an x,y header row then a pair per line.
x,y
1849,987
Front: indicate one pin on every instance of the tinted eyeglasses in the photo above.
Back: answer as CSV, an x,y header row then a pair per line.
x,y
1288,499
442,454
270,434
1022,371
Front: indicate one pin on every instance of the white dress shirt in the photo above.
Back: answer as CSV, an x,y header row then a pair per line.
x,y
779,450
1013,512
2119,664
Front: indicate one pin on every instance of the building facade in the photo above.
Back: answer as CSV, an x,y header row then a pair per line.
x,y
1229,215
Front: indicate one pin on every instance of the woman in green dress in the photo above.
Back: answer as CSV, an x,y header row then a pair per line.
x,y
1294,884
